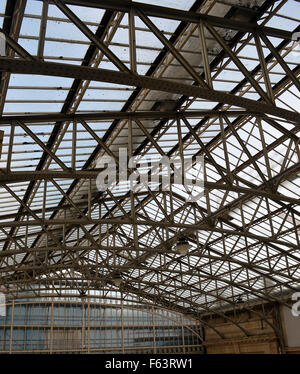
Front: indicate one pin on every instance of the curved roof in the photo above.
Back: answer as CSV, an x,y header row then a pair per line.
x,y
213,82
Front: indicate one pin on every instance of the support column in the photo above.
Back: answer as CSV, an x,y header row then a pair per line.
x,y
51,329
154,332
11,326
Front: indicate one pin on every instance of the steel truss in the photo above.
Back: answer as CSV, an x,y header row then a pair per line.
x,y
59,233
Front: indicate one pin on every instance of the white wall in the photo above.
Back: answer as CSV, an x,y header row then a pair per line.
x,y
292,327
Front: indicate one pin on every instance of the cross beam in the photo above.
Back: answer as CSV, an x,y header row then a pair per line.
x,y
20,66
179,15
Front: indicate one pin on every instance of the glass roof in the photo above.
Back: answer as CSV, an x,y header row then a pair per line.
x,y
57,227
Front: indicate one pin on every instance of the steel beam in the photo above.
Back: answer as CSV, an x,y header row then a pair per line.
x,y
17,47
180,15
144,222
110,115
22,176
93,38
67,107
19,66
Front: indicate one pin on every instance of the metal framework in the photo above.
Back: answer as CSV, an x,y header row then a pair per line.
x,y
91,326
82,79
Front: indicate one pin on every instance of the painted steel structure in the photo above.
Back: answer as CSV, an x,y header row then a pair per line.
x,y
212,78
